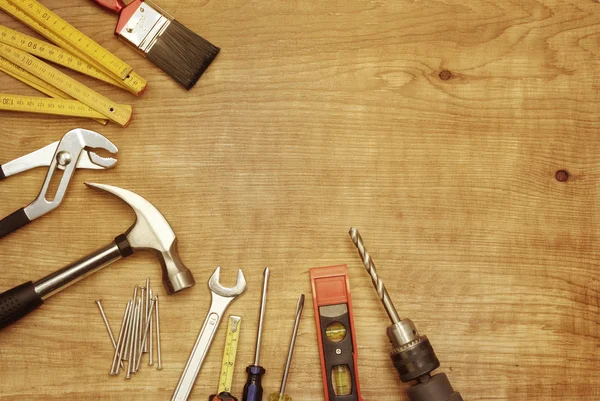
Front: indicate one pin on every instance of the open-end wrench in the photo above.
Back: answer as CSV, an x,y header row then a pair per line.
x,y
221,298
72,152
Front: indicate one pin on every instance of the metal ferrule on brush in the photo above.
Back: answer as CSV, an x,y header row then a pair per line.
x,y
144,27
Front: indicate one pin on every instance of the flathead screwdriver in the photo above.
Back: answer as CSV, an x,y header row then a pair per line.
x,y
253,390
281,396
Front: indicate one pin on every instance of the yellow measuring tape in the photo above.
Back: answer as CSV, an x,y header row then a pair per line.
x,y
59,56
44,105
73,88
73,36
231,345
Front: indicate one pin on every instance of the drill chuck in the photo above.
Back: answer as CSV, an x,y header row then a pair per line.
x,y
415,359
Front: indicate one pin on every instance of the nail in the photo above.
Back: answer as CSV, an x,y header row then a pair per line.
x,y
110,334
147,304
158,356
136,329
120,342
150,341
146,329
128,347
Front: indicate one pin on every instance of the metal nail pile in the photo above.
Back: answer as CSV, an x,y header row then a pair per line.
x,y
136,336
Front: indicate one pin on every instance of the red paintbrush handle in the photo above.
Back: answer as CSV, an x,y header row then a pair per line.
x,y
112,5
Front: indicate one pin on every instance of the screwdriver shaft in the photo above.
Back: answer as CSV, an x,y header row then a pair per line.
x,y
261,316
377,282
299,309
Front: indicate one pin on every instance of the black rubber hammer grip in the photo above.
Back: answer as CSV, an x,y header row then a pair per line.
x,y
17,302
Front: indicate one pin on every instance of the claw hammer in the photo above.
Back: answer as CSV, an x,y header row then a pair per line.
x,y
151,231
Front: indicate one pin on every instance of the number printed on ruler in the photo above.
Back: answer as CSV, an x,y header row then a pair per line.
x,y
73,88
134,83
49,52
43,105
78,39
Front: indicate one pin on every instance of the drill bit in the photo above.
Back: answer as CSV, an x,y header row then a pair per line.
x,y
412,354
377,282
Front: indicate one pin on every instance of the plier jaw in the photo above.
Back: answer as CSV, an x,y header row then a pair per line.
x,y
75,150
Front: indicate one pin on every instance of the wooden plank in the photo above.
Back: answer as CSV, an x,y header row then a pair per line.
x,y
315,117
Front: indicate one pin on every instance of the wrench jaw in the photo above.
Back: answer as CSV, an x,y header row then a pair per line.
x,y
217,288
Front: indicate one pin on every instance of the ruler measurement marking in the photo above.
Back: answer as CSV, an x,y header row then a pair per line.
x,y
71,87
128,84
54,22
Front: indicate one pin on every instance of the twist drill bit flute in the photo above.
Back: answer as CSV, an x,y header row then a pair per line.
x,y
412,353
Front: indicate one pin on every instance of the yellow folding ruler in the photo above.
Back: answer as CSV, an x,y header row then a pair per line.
x,y
57,55
133,82
45,105
106,107
231,345
39,84
52,22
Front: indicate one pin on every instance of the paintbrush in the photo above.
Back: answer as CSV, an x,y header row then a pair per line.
x,y
172,47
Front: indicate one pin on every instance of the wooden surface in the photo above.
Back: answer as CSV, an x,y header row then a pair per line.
x,y
435,127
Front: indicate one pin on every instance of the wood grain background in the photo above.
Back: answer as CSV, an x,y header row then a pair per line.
x,y
435,127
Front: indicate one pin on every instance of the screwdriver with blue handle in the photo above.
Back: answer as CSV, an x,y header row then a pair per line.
x,y
253,390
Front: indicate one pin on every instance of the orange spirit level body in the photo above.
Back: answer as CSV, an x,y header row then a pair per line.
x,y
335,333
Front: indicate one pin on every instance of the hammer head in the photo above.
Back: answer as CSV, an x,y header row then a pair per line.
x,y
152,232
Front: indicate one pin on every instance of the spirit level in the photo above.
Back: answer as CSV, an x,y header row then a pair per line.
x,y
335,332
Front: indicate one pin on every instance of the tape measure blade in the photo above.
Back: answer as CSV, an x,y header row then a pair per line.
x,y
229,354
48,19
73,88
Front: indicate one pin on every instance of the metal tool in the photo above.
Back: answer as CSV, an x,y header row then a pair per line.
x,y
336,336
150,341
412,353
151,232
105,319
281,396
221,298
136,334
253,390
158,352
146,329
120,342
228,363
129,343
146,306
73,151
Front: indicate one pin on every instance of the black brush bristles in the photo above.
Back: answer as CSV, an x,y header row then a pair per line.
x,y
182,54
